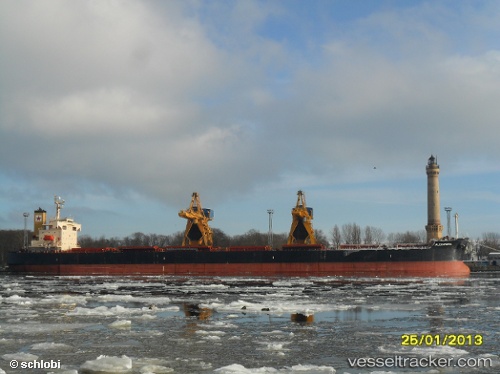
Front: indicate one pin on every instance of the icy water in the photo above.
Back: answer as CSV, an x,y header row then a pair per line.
x,y
165,324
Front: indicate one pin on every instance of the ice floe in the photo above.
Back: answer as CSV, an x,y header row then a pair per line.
x,y
299,369
155,369
106,311
425,351
49,346
107,364
37,327
204,332
16,299
19,356
121,324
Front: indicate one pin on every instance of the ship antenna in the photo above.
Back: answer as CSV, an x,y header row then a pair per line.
x,y
59,205
25,236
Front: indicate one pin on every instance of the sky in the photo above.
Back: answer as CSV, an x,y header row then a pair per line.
x,y
125,108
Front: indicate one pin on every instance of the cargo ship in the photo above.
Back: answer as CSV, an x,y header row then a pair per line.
x,y
55,250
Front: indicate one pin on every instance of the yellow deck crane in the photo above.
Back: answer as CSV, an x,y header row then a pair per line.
x,y
197,233
301,231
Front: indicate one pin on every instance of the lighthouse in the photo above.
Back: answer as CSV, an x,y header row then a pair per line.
x,y
434,228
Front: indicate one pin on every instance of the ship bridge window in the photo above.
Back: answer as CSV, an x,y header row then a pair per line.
x,y
64,227
74,228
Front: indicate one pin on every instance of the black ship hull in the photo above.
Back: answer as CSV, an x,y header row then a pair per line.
x,y
443,258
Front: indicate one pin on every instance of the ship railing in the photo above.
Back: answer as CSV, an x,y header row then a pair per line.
x,y
303,246
91,250
362,246
409,245
138,248
242,248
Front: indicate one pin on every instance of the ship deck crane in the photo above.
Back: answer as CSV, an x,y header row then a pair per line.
x,y
301,231
198,232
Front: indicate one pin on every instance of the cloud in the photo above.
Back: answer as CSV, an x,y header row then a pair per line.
x,y
115,92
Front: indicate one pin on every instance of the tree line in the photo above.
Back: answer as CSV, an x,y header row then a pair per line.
x,y
10,240
220,239
352,233
349,233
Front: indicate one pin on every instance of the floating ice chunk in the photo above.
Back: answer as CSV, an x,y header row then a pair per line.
x,y
274,332
16,299
275,346
49,346
20,356
212,337
203,332
30,328
108,364
312,369
121,324
103,311
156,369
64,300
2,371
282,283
240,369
98,311
147,317
222,324
114,298
150,362
444,350
173,308
299,369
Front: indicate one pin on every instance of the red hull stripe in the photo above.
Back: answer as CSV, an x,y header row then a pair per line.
x,y
415,268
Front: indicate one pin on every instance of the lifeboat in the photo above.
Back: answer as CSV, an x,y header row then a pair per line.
x,y
49,238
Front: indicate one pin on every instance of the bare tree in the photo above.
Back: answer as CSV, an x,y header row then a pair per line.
x,y
490,243
321,238
336,237
408,237
251,237
368,239
279,239
137,239
220,238
351,232
176,238
491,239
10,240
373,235
157,240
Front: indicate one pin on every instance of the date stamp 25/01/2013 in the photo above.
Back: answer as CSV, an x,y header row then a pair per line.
x,y
453,340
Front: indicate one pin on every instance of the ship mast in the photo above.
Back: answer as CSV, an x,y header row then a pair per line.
x,y
59,205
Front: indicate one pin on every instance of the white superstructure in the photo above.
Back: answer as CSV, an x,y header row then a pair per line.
x,y
58,234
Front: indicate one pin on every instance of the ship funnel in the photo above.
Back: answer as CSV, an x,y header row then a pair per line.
x,y
39,219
